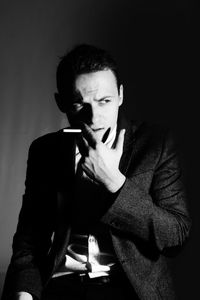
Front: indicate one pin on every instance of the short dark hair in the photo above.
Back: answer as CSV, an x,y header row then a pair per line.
x,y
80,60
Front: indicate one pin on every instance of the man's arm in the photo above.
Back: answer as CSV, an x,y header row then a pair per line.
x,y
32,239
151,205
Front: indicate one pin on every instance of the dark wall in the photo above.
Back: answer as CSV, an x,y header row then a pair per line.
x,y
155,44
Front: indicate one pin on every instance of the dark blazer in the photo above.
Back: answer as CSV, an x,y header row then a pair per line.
x,y
148,218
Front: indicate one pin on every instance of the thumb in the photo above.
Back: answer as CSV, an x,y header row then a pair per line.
x,y
120,141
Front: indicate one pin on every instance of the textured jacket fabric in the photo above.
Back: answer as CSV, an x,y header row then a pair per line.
x,y
148,218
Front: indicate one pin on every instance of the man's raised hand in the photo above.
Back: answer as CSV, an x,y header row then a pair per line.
x,y
99,162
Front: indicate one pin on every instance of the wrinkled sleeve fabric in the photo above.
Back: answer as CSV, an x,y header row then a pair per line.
x,y
151,205
32,239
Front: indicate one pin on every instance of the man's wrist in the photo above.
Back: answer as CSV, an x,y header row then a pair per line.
x,y
117,183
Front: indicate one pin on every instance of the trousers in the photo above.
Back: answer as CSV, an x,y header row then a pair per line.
x,y
69,287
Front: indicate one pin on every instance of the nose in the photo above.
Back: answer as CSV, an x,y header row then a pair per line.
x,y
95,114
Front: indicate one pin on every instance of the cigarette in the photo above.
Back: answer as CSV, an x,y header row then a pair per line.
x,y
73,130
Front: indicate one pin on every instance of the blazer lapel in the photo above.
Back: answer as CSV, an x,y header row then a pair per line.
x,y
65,188
65,180
66,159
129,140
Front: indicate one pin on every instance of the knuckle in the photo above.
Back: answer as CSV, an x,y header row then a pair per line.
x,y
86,161
98,147
90,152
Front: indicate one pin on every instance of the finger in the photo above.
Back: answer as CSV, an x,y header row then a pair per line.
x,y
120,141
82,146
89,135
88,172
105,136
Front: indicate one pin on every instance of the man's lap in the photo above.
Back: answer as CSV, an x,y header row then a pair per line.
x,y
68,288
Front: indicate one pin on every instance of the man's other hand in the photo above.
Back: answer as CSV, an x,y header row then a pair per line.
x,y
23,296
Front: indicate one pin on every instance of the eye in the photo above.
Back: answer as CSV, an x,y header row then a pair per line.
x,y
77,106
104,101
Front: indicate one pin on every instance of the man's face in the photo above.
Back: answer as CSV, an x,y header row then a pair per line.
x,y
96,101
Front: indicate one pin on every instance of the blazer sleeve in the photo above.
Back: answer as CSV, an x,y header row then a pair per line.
x,y
32,239
152,205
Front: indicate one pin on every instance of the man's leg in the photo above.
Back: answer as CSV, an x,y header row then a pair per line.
x,y
118,291
69,288
62,289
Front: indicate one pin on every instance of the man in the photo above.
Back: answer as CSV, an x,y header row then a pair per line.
x,y
104,207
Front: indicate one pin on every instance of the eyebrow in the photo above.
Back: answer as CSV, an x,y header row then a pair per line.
x,y
105,97
79,98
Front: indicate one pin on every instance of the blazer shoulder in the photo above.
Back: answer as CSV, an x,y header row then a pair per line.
x,y
46,141
150,130
155,137
45,147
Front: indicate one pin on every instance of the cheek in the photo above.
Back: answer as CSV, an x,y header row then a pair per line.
x,y
111,117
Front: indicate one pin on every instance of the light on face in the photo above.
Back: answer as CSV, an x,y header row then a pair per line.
x,y
97,100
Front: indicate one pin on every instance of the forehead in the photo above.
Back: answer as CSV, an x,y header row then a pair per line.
x,y
96,82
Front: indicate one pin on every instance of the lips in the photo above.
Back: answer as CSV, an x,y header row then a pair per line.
x,y
96,129
105,134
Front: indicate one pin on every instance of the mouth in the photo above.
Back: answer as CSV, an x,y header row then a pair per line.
x,y
97,129
101,130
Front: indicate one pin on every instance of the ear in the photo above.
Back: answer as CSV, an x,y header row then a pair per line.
x,y
121,94
60,103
